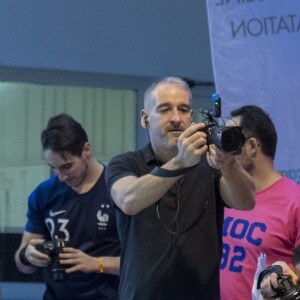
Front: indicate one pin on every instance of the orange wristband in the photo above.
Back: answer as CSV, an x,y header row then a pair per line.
x,y
100,265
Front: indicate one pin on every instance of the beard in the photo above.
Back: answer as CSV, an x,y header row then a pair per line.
x,y
167,140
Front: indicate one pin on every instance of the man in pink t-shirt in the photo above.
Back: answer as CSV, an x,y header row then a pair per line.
x,y
272,228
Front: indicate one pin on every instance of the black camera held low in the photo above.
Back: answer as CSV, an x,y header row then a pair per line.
x,y
227,138
285,290
53,248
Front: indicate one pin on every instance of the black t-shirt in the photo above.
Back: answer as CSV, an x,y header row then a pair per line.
x,y
156,264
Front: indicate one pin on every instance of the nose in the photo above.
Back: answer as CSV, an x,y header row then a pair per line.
x,y
175,118
61,176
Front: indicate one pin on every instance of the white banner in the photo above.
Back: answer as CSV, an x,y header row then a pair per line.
x,y
256,60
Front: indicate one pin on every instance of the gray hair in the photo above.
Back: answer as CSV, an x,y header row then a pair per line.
x,y
150,96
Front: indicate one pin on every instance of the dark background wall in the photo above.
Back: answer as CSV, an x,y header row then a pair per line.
x,y
9,271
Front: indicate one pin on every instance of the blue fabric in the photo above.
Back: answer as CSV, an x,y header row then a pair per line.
x,y
255,51
87,222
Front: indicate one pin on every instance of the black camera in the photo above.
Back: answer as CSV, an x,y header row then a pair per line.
x,y
53,249
230,139
285,289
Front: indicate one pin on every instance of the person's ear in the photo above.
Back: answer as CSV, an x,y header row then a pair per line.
x,y
87,150
144,119
253,146
254,143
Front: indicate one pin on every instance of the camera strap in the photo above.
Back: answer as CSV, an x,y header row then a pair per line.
x,y
160,172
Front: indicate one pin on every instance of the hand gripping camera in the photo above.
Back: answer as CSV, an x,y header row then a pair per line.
x,y
227,138
53,249
285,290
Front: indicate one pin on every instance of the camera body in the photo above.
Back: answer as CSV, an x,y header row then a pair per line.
x,y
286,290
53,248
227,138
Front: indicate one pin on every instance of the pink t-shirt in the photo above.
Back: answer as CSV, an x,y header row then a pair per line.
x,y
272,228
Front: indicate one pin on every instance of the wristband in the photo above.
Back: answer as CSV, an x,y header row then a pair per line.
x,y
23,258
159,172
273,269
100,265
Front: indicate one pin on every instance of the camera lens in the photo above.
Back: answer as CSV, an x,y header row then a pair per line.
x,y
232,139
58,273
229,139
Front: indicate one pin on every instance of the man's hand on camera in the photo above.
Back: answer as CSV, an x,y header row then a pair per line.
x,y
217,158
272,278
192,143
78,260
35,257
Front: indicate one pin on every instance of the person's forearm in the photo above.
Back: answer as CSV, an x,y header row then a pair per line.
x,y
132,194
111,265
237,187
141,193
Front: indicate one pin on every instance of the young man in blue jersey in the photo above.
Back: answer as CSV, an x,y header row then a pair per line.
x,y
72,212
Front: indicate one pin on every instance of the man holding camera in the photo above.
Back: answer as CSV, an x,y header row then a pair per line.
x,y
70,229
170,202
272,228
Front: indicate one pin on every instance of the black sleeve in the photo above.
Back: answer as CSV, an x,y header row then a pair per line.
x,y
120,166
